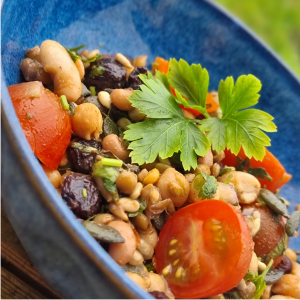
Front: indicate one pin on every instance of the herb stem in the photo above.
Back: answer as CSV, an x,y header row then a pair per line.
x,y
93,90
111,162
64,102
77,48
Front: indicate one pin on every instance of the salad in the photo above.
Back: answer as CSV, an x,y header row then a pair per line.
x,y
173,181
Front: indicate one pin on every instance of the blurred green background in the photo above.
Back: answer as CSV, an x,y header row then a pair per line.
x,y
277,22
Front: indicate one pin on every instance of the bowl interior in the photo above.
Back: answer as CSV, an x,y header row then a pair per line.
x,y
193,30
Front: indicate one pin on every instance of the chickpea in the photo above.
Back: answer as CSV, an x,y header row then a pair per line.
x,y
295,269
246,185
288,285
208,159
139,280
126,182
291,254
53,175
136,115
58,63
157,283
173,185
122,252
87,121
119,98
114,144
202,168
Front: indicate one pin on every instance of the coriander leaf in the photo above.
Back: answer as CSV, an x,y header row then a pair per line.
x,y
191,81
193,142
154,100
258,280
240,128
164,79
242,95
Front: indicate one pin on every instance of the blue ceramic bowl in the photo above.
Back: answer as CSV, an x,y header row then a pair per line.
x,y
66,255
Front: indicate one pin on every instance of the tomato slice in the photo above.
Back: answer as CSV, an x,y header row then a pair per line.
x,y
45,124
204,249
270,163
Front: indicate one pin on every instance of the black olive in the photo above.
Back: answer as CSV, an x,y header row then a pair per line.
x,y
285,265
159,295
105,73
80,161
84,204
134,81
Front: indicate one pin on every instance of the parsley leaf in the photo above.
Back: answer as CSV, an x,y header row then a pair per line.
x,y
143,206
239,127
259,280
191,81
169,130
206,184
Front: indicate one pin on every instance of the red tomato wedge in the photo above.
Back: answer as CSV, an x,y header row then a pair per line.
x,y
45,124
270,163
204,249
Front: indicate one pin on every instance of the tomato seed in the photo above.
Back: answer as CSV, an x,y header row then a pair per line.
x,y
173,242
171,252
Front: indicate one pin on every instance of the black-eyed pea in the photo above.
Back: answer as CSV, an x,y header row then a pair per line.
x,y
126,182
136,115
137,191
136,259
141,221
116,145
151,177
142,175
87,121
146,249
119,98
58,63
104,218
53,175
291,254
207,159
173,185
139,280
122,252
295,269
157,283
288,285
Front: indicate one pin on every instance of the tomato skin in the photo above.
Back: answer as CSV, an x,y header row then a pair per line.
x,y
211,268
270,163
270,234
45,124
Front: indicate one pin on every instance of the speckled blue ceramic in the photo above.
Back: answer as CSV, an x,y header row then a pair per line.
x,y
66,255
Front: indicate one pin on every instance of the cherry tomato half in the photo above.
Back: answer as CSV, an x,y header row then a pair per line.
x,y
270,163
45,124
204,249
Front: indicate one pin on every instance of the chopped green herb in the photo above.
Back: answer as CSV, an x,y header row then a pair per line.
x,y
208,184
111,162
75,56
83,148
84,193
259,280
150,267
77,48
93,91
96,71
72,107
226,170
228,179
143,205
64,102
72,55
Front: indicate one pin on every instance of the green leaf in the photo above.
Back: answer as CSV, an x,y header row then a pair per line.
x,y
143,205
207,185
239,127
154,100
191,81
164,79
258,280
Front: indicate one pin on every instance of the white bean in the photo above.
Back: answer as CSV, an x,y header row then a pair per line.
x,y
58,63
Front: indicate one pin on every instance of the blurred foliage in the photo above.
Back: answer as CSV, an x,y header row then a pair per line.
x,y
277,22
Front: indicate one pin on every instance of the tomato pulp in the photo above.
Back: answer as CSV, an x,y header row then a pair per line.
x,y
45,124
204,249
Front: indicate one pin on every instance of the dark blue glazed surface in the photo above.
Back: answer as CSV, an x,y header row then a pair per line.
x,y
194,30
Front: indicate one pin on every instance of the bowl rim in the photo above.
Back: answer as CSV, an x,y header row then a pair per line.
x,y
48,195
